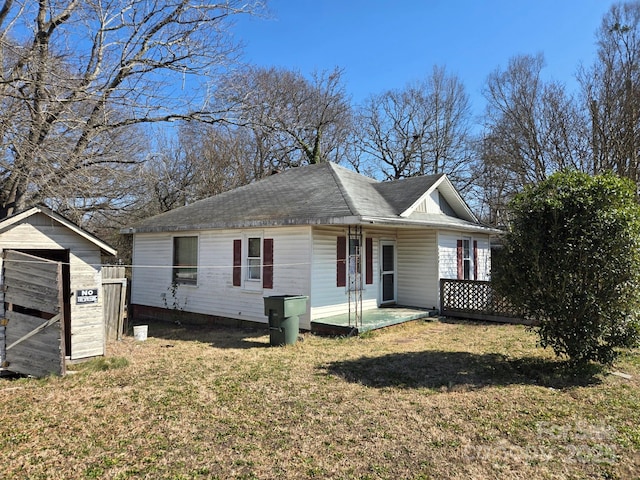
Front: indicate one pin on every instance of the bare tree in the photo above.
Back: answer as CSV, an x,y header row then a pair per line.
x,y
292,120
532,129
423,128
390,131
199,161
82,78
535,124
612,93
447,144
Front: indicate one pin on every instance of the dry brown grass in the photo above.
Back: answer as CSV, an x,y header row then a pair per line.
x,y
421,400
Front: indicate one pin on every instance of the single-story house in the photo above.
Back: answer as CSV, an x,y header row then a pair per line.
x,y
322,231
51,296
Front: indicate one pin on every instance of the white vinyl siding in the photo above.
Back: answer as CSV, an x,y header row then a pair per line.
x,y
152,266
329,299
448,255
417,268
431,204
215,293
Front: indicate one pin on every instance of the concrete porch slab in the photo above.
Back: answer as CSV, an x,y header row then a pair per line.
x,y
372,319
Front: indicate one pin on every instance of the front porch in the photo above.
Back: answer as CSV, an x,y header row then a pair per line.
x,y
372,319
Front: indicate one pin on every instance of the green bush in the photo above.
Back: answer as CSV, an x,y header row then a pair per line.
x,y
571,262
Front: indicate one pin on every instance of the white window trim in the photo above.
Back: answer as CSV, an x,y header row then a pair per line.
x,y
356,283
394,243
252,284
173,266
470,258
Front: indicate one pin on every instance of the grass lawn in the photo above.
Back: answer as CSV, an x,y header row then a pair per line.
x,y
421,400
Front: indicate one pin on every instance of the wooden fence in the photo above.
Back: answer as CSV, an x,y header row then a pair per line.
x,y
476,300
114,285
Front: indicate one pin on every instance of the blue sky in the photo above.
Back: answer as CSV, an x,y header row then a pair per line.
x,y
384,44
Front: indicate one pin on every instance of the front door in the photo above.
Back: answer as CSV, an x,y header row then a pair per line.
x,y
388,272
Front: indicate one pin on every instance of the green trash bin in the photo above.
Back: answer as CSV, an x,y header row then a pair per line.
x,y
284,322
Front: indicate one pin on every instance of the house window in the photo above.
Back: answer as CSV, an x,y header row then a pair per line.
x,y
254,258
256,262
185,260
466,259
355,264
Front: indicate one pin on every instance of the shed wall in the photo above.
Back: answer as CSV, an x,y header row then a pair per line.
x,y
41,232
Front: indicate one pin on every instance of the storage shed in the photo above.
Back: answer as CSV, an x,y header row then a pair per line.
x,y
51,297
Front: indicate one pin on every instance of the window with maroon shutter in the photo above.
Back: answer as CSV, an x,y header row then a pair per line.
x,y
466,267
267,268
237,263
459,255
341,262
369,260
475,260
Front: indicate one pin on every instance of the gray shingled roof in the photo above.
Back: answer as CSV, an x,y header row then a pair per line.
x,y
317,194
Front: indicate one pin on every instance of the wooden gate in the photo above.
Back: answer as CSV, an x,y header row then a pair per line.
x,y
114,286
33,315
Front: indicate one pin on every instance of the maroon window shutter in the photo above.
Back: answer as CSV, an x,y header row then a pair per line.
x,y
267,267
237,263
341,262
460,268
475,259
369,260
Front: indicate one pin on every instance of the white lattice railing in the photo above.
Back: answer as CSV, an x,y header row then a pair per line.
x,y
476,299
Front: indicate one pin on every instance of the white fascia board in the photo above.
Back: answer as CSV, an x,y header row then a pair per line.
x,y
60,219
406,222
8,222
451,195
281,222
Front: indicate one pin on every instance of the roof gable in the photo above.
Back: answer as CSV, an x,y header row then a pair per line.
x,y
444,189
41,209
406,193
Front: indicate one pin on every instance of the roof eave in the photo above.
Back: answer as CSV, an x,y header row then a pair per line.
x,y
468,227
346,220
276,222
